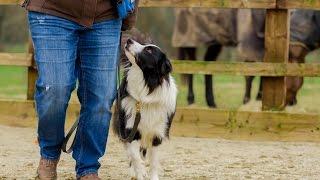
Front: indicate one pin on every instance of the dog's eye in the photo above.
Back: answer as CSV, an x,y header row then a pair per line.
x,y
148,49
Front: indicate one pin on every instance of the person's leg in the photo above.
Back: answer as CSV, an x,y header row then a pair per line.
x,y
55,42
99,51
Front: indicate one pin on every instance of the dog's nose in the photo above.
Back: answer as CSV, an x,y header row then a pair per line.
x,y
130,41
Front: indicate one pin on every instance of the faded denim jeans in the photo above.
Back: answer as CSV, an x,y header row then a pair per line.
x,y
67,53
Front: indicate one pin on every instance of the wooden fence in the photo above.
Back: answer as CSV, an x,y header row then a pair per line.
x,y
269,124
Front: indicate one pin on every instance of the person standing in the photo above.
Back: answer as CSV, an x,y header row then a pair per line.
x,y
75,41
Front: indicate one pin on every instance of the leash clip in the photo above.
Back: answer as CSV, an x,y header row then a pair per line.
x,y
138,106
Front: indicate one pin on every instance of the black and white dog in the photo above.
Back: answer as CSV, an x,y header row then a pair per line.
x,y
147,81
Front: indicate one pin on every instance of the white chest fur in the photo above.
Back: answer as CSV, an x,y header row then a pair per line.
x,y
156,107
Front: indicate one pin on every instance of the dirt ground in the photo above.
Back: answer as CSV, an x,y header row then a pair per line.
x,y
182,158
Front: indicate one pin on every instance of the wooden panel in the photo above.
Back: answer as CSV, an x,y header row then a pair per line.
x,y
11,2
15,59
299,4
170,3
17,113
246,125
264,4
277,51
32,74
210,3
21,113
196,3
246,69
200,122
202,67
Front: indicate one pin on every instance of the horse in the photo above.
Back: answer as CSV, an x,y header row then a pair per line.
x,y
197,24
217,28
304,38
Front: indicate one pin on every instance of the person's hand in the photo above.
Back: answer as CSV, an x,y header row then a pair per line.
x,y
131,20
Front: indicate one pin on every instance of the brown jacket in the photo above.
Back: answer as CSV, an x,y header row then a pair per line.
x,y
84,12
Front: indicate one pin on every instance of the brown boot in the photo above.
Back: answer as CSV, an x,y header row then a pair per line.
x,y
90,177
47,169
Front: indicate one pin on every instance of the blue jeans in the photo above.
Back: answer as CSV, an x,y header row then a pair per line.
x,y
66,52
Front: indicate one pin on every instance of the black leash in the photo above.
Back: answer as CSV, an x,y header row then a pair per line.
x,y
66,139
134,130
137,119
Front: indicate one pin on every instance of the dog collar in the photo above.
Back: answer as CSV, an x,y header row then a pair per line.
x,y
138,106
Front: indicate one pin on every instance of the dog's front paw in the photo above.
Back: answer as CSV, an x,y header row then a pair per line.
x,y
154,177
132,173
144,173
141,174
140,177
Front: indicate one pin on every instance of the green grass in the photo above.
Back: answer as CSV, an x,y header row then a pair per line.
x,y
229,92
15,48
13,82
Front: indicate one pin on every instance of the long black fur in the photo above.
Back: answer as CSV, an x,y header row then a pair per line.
x,y
119,117
155,67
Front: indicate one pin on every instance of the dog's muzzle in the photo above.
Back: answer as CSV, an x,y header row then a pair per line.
x,y
128,44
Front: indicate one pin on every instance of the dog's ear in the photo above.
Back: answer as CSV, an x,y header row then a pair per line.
x,y
165,66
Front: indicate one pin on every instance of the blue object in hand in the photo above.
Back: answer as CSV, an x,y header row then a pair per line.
x,y
125,7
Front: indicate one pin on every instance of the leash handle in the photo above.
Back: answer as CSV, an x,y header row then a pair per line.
x,y
66,139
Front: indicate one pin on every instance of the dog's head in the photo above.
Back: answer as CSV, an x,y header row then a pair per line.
x,y
134,34
148,57
151,60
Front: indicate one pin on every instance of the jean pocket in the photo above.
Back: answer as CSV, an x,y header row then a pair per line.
x,y
36,17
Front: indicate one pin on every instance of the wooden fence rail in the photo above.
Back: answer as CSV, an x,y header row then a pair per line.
x,y
247,69
194,3
263,4
298,4
200,122
15,59
204,67
10,2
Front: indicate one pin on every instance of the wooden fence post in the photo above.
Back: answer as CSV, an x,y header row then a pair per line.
x,y
32,74
277,51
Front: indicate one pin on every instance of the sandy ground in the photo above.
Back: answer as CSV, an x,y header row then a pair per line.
x,y
182,158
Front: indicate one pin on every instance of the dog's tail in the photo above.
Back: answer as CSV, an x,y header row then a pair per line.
x,y
116,121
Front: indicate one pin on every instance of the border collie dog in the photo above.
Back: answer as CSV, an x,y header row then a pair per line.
x,y
147,82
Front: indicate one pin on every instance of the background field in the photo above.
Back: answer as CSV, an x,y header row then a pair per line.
x,y
229,90
183,158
